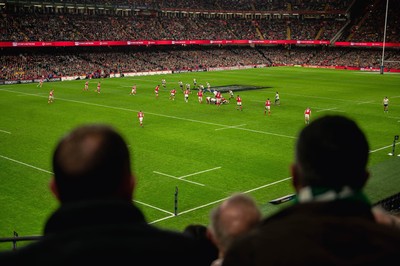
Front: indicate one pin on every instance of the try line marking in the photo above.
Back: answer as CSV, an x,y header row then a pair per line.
x,y
168,116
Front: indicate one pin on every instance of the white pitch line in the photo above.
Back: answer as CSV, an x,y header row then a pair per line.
x,y
7,132
31,94
156,172
208,170
34,167
268,185
365,102
161,219
335,109
383,148
329,109
168,116
268,133
178,178
228,127
154,207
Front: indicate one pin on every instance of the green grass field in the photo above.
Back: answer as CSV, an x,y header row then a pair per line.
x,y
205,151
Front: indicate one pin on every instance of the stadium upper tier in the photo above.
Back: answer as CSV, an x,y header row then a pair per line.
x,y
67,27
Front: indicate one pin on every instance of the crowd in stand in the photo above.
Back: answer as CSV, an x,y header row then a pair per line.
x,y
67,27
369,27
85,61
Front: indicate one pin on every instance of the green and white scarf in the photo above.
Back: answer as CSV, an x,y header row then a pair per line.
x,y
308,194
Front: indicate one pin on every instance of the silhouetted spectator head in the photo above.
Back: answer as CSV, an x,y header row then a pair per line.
x,y
331,152
90,163
234,217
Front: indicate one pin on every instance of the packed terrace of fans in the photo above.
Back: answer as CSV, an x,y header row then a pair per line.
x,y
67,27
18,23
75,62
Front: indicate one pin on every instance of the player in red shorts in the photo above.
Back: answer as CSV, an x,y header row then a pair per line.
x,y
40,83
172,94
86,86
218,96
133,91
186,94
239,103
98,87
200,96
51,96
156,90
307,115
267,107
140,115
